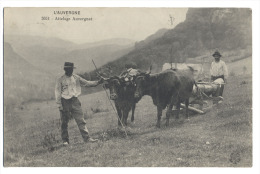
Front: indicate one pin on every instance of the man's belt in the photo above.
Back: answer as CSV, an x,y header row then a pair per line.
x,y
216,77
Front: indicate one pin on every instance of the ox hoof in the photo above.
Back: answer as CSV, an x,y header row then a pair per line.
x,y
158,125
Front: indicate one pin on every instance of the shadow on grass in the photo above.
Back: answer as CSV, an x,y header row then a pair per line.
x,y
120,133
47,150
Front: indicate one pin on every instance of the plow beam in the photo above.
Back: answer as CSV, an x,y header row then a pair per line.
x,y
193,109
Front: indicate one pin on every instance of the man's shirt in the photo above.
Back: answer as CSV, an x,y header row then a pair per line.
x,y
219,69
68,87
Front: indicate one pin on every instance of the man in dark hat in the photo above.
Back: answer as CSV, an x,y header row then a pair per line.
x,y
67,90
219,72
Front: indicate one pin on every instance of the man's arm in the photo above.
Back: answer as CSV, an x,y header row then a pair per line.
x,y
87,83
211,71
58,93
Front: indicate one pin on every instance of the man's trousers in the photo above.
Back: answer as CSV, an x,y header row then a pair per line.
x,y
72,107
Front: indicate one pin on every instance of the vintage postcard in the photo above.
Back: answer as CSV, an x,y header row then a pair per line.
x,y
127,87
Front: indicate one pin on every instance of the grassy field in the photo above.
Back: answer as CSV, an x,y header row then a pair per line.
x,y
220,138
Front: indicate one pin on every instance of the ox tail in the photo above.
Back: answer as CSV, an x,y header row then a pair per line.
x,y
199,92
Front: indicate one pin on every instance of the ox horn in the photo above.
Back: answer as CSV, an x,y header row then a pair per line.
x,y
150,70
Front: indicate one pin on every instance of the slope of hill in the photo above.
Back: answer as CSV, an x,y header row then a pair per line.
x,y
23,81
151,38
203,31
33,63
220,138
51,59
240,67
114,41
19,41
49,54
100,54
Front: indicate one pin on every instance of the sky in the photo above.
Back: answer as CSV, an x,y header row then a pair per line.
x,y
103,23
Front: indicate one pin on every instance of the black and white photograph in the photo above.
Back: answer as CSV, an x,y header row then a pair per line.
x,y
128,87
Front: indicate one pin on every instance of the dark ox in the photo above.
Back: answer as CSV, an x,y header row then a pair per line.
x,y
168,88
123,96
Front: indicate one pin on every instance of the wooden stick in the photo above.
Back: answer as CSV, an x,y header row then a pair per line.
x,y
210,83
193,109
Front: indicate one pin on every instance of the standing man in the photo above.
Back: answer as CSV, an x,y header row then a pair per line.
x,y
218,71
67,90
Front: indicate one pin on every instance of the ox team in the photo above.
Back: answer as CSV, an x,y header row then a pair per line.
x,y
168,88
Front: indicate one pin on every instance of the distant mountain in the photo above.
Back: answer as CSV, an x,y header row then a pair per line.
x,y
49,54
32,63
205,29
100,54
114,41
18,41
23,81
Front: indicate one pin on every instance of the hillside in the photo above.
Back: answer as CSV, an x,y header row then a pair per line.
x,y
20,41
32,63
150,38
220,138
49,54
203,31
23,81
114,41
100,54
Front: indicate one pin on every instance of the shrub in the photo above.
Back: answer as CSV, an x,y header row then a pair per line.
x,y
49,141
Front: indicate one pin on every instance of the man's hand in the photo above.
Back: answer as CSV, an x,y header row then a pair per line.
x,y
60,108
101,80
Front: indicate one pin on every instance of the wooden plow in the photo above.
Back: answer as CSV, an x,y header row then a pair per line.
x,y
202,95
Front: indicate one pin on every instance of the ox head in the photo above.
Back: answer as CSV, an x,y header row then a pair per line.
x,y
142,82
114,84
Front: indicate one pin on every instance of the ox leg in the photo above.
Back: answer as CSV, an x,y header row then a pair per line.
x,y
125,116
186,106
178,106
133,113
168,113
119,112
159,115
